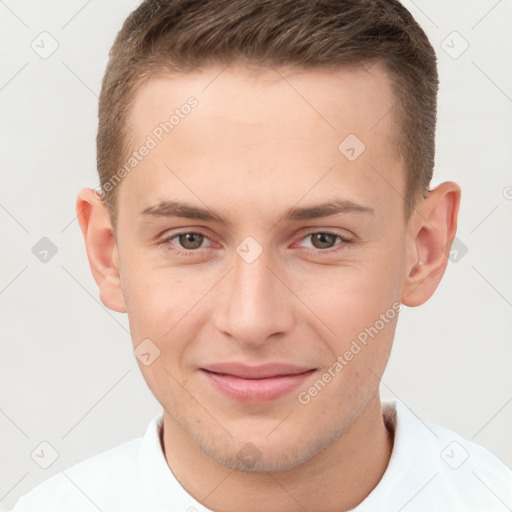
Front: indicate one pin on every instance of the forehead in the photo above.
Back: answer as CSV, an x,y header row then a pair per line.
x,y
261,128
355,97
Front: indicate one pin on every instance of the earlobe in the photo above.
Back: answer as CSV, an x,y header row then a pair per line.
x,y
432,230
101,247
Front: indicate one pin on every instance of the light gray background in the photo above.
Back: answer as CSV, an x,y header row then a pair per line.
x,y
67,373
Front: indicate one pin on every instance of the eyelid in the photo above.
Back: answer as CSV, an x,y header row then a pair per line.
x,y
166,240
344,233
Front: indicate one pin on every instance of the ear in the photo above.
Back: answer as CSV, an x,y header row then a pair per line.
x,y
101,247
432,228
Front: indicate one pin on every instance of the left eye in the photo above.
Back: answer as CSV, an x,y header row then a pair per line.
x,y
323,240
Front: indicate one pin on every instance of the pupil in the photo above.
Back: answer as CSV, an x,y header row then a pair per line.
x,y
324,240
187,240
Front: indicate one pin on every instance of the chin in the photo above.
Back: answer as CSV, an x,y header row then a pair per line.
x,y
264,453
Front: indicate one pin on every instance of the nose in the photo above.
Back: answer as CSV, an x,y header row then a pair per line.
x,y
253,303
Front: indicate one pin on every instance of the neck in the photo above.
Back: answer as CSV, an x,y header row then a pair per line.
x,y
338,478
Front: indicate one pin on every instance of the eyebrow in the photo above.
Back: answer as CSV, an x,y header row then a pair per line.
x,y
328,209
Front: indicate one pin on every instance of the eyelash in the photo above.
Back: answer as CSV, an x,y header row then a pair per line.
x,y
191,252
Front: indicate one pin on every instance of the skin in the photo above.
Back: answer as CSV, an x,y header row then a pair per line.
x,y
253,148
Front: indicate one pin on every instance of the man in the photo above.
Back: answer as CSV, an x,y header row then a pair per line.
x,y
264,212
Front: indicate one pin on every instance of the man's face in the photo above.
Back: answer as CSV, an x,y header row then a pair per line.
x,y
250,311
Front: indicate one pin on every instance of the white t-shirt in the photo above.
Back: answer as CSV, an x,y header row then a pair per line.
x,y
431,469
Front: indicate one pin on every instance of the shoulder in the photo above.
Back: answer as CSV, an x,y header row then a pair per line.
x,y
434,468
470,468
94,482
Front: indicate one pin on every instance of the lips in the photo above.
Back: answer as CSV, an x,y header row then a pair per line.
x,y
255,384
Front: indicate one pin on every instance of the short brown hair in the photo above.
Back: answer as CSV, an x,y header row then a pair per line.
x,y
183,35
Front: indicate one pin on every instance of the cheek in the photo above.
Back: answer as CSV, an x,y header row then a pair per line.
x,y
349,299
359,304
160,311
165,306
351,374
156,298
